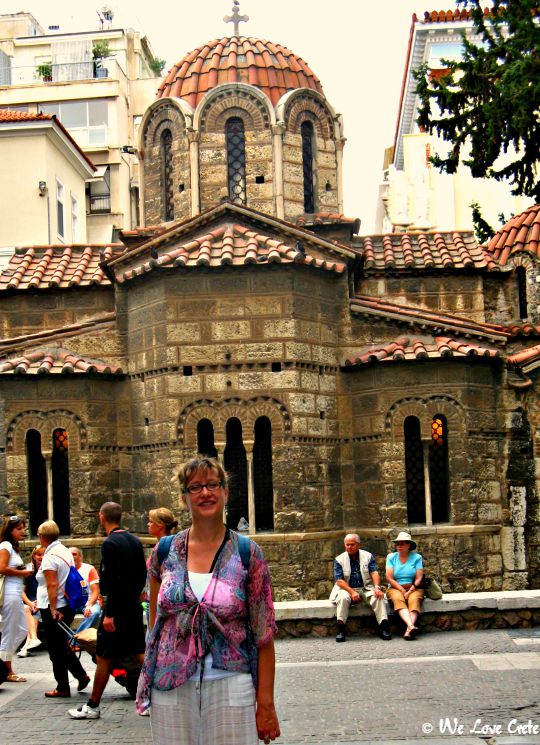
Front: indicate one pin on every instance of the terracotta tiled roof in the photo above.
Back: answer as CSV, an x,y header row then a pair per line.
x,y
8,115
97,323
55,360
521,233
238,59
225,245
37,267
525,357
418,348
367,305
523,329
449,16
457,250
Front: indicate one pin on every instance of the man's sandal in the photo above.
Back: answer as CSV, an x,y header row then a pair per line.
x,y
12,678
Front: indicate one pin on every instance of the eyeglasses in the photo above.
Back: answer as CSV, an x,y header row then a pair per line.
x,y
402,543
197,488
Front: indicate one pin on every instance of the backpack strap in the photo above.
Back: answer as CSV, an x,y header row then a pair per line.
x,y
163,547
244,549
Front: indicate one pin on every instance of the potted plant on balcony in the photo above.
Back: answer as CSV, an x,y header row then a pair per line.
x,y
100,50
157,65
44,71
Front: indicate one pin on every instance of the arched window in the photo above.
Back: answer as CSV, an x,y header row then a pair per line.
x,y
60,480
37,481
235,461
521,274
414,471
438,470
308,136
167,175
262,475
236,159
205,438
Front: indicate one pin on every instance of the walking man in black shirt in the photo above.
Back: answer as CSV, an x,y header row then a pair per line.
x,y
122,579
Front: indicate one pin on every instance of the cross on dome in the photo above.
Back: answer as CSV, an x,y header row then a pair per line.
x,y
236,18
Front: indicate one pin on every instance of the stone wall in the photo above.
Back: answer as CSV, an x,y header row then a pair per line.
x,y
325,174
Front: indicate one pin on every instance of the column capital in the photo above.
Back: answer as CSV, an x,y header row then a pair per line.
x,y
278,129
193,135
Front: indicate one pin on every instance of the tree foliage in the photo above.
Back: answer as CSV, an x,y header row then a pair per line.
x,y
490,99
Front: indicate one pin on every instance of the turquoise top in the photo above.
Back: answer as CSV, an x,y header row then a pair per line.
x,y
404,573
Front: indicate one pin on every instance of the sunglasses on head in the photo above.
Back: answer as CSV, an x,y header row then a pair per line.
x,y
15,519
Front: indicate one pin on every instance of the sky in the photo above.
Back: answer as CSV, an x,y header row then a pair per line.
x,y
356,48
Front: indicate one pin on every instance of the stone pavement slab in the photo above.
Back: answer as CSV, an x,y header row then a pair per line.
x,y
363,691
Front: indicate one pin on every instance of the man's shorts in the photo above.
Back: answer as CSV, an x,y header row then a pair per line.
x,y
127,640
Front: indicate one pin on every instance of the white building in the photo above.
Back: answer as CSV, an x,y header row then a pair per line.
x,y
99,100
414,194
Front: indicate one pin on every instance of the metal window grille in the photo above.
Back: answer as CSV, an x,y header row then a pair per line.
x,y
236,159
414,471
307,132
438,470
167,166
60,480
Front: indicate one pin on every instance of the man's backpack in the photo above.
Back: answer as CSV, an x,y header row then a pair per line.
x,y
76,589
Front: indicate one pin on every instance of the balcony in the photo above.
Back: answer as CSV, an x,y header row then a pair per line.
x,y
58,73
99,204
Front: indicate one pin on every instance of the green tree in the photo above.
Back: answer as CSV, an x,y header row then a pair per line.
x,y
490,100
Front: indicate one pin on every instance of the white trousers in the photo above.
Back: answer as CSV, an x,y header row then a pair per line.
x,y
218,712
14,628
343,603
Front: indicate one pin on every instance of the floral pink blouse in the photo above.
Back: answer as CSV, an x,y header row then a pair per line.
x,y
186,630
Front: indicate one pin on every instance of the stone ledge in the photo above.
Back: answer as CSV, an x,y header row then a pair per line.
x,y
449,603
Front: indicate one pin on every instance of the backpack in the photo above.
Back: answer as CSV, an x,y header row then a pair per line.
x,y
164,546
76,589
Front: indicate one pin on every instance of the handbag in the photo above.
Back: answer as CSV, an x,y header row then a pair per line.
x,y
432,588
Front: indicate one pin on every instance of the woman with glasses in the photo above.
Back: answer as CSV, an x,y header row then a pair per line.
x,y
13,616
404,572
209,664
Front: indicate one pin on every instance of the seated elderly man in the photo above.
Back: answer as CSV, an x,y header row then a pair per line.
x,y
92,610
357,577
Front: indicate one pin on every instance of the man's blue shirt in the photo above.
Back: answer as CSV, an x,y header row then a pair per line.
x,y
355,580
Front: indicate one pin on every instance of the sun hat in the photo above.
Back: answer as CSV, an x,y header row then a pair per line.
x,y
404,536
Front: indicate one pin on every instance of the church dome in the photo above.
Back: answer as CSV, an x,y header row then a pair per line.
x,y
272,68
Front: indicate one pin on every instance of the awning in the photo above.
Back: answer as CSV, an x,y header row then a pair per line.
x,y
99,174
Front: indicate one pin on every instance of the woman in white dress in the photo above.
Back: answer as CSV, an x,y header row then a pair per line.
x,y
13,616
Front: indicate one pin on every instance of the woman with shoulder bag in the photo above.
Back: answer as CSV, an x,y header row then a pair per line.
x,y
13,615
404,572
209,667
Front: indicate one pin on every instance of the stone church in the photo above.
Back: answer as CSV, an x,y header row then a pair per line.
x,y
348,382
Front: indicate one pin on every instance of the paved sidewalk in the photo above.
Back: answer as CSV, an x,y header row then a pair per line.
x,y
457,687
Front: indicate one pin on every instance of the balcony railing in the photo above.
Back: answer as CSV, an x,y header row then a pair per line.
x,y
57,73
100,203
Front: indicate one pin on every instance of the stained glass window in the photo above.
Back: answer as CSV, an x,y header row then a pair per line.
x,y
60,480
307,132
438,470
167,174
236,159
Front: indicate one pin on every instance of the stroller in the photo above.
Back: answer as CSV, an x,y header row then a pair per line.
x,y
125,671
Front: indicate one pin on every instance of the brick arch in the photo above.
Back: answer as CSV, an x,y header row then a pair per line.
x,y
218,412
425,409
524,259
307,107
45,422
166,116
224,105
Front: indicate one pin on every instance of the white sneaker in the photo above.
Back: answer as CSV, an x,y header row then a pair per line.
x,y
33,643
23,652
84,712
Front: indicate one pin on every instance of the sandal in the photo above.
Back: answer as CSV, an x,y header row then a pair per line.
x,y
57,694
12,678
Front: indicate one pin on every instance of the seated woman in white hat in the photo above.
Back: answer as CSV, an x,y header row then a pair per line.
x,y
404,572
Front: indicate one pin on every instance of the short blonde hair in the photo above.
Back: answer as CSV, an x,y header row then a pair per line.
x,y
49,530
185,472
163,516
